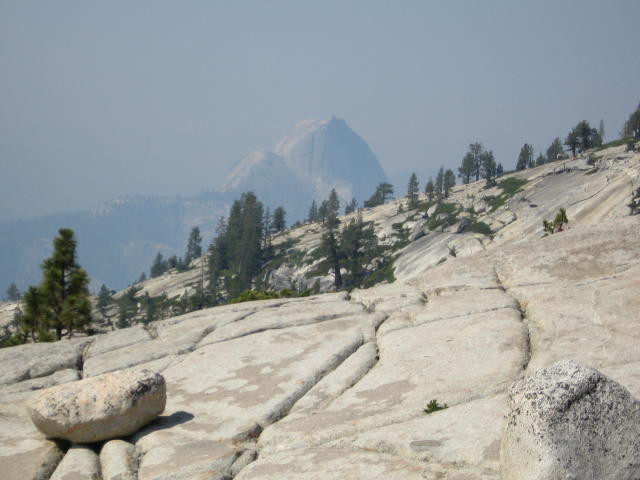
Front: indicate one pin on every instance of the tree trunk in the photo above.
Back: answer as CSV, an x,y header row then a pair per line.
x,y
337,274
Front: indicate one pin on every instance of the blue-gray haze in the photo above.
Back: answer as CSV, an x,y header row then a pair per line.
x,y
100,99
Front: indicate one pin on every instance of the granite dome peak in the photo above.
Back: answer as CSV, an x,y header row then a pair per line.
x,y
313,157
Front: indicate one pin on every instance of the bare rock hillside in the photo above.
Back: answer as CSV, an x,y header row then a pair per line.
x,y
335,385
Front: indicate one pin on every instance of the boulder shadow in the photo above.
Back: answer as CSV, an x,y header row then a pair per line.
x,y
163,422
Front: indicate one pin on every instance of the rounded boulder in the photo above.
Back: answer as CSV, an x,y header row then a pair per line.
x,y
100,408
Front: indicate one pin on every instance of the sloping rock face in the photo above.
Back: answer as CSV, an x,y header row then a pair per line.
x,y
570,421
335,385
100,408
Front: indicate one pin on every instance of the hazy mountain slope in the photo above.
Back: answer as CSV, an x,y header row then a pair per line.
x,y
115,242
119,240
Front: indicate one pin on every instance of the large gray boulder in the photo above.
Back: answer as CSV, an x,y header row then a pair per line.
x,y
569,421
99,408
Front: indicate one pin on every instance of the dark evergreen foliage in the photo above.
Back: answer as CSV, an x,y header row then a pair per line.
x,y
359,249
312,217
525,158
351,207
61,302
440,183
159,266
13,294
555,151
237,253
632,125
429,190
104,299
194,246
467,168
583,137
383,192
278,223
413,191
448,182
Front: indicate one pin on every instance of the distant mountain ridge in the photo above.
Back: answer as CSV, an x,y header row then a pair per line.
x,y
118,240
311,159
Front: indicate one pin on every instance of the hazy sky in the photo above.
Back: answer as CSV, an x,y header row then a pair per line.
x,y
100,99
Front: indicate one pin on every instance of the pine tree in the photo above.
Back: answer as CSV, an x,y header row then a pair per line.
x,y
489,168
218,261
246,253
312,217
128,307
525,158
359,247
572,141
476,149
194,246
34,321
449,182
631,127
158,267
13,294
333,207
171,263
412,191
330,243
278,224
104,299
467,168
582,138
383,191
267,227
351,207
429,189
322,212
555,151
540,160
65,286
601,130
440,183
587,136
499,170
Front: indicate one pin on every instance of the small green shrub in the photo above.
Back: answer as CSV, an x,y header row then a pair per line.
x,y
591,161
385,272
558,223
452,251
320,270
451,210
433,406
511,186
253,295
495,202
478,227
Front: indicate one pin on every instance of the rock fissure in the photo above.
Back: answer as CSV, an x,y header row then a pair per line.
x,y
523,317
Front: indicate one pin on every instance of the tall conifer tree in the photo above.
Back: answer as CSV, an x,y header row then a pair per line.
x,y
65,287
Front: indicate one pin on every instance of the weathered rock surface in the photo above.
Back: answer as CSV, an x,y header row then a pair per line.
x,y
24,452
79,463
334,385
36,360
100,408
570,421
117,461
